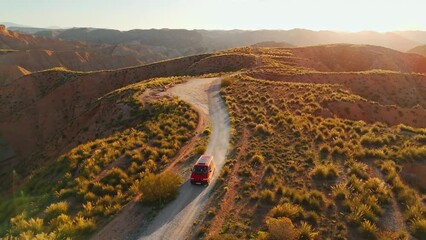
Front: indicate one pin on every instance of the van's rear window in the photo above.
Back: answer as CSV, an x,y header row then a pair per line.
x,y
200,169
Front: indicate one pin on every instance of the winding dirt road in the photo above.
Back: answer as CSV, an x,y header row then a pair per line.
x,y
175,220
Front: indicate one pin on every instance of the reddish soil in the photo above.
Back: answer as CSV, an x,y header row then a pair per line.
x,y
8,73
374,112
228,202
414,175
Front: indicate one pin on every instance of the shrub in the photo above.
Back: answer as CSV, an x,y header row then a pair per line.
x,y
115,176
281,228
60,220
314,200
328,171
160,188
340,192
287,210
412,153
83,225
20,224
306,232
378,188
414,212
55,209
361,213
207,132
418,228
324,151
368,229
257,160
264,129
267,196
421,139
89,196
402,235
358,169
200,150
227,82
372,141
407,196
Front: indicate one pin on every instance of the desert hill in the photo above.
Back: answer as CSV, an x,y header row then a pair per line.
x,y
352,58
32,53
36,60
54,105
394,80
21,41
147,46
273,44
419,50
329,143
10,72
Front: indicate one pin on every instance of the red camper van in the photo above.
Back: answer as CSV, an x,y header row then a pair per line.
x,y
203,170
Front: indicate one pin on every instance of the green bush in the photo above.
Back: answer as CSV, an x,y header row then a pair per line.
x,y
160,188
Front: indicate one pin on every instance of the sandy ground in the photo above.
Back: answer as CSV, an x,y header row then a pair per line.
x,y
176,219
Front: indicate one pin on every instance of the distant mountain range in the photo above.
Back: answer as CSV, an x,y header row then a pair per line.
x,y
185,42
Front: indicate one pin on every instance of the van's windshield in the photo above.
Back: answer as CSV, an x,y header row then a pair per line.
x,y
200,169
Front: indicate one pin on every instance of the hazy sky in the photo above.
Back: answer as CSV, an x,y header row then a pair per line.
x,y
343,15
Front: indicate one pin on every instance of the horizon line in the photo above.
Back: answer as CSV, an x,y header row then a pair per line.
x,y
16,25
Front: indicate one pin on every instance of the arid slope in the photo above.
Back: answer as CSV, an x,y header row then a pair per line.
x,y
42,113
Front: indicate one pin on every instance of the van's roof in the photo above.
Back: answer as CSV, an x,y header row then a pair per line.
x,y
204,160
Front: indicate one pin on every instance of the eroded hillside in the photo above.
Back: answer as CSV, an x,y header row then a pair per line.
x,y
21,54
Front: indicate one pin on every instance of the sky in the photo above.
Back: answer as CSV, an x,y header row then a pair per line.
x,y
336,15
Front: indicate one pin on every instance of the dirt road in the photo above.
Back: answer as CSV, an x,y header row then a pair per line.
x,y
176,219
